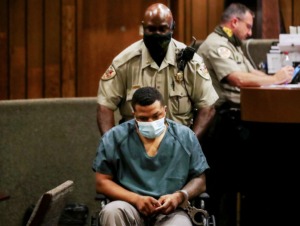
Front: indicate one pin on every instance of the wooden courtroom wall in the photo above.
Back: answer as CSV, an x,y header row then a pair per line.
x,y
60,48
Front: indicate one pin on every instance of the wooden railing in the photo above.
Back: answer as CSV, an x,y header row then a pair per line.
x,y
60,48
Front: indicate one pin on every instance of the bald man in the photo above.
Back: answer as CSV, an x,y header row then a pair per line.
x,y
151,61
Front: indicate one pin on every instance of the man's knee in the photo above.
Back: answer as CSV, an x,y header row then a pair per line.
x,y
177,218
118,213
114,208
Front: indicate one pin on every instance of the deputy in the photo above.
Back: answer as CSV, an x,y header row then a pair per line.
x,y
228,66
153,61
228,144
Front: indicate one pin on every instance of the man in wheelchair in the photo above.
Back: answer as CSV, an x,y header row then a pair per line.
x,y
149,167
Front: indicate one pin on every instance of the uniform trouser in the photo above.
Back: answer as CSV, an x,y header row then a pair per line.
x,y
228,150
121,213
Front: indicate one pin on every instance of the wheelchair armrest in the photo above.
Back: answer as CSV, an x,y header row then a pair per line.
x,y
201,200
204,195
100,197
103,200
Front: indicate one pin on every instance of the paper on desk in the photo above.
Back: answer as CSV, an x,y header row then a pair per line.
x,y
284,86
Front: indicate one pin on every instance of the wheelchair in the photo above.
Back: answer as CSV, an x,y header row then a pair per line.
x,y
196,209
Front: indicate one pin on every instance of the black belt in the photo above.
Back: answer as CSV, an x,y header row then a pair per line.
x,y
230,110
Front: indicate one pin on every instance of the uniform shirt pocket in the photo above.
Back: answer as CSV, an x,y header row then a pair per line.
x,y
180,102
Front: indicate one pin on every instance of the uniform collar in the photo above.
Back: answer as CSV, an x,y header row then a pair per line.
x,y
227,33
170,57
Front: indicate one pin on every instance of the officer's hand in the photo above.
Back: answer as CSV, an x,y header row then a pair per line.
x,y
146,205
284,75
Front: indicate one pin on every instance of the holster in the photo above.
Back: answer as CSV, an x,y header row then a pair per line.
x,y
185,55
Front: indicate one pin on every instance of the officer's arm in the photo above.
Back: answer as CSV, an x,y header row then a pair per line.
x,y
105,118
203,118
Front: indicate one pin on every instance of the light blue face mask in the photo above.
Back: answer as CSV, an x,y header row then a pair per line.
x,y
152,129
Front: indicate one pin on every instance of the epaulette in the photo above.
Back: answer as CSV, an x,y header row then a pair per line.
x,y
127,54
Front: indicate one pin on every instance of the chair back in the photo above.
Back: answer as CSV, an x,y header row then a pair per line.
x,y
51,204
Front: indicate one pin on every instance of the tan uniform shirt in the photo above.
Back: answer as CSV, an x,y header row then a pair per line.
x,y
221,58
134,68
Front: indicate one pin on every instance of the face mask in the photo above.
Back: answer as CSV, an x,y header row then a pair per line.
x,y
157,44
151,129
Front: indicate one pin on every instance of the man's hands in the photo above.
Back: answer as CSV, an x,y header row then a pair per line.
x,y
147,205
284,75
170,202
165,204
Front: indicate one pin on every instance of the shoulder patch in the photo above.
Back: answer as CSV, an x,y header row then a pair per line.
x,y
109,73
203,71
224,52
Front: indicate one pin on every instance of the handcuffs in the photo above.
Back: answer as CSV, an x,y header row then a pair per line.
x,y
194,213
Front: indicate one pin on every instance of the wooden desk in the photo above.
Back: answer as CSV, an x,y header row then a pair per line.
x,y
279,104
271,155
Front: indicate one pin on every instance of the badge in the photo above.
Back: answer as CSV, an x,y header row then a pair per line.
x,y
203,71
224,52
109,73
179,76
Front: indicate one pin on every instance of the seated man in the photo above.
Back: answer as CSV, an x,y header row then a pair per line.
x,y
229,145
228,67
148,166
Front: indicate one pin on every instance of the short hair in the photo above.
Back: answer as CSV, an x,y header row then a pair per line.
x,y
235,9
146,96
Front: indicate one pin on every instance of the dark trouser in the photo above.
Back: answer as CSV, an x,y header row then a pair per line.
x,y
120,213
227,146
254,171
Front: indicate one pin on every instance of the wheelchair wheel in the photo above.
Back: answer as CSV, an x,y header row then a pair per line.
x,y
211,221
94,219
201,220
